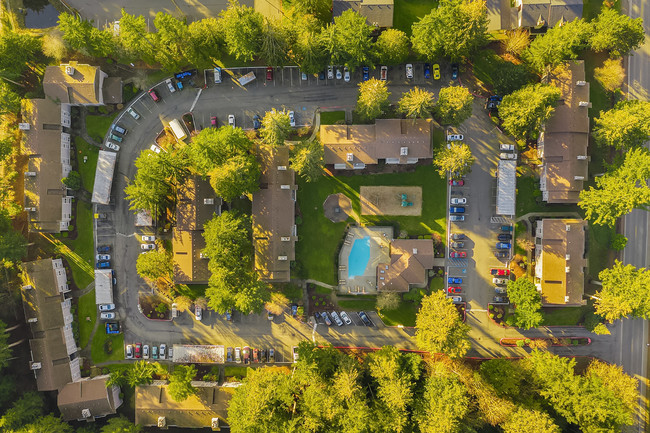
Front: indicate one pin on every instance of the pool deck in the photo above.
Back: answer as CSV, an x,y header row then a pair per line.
x,y
380,239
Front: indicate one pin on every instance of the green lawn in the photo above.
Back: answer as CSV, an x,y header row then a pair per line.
x,y
600,254
409,11
86,307
520,233
192,291
565,316
319,238
97,351
97,126
484,64
404,315
86,169
81,252
529,198
437,284
331,117
235,371
358,304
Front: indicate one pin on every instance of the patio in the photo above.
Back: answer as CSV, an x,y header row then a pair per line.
x,y
356,276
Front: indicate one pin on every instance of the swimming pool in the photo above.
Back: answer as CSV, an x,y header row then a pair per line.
x,y
359,257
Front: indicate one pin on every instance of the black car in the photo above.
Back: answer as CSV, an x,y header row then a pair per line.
x,y
262,355
504,237
457,236
365,318
321,75
501,254
501,300
458,244
104,249
256,122
454,71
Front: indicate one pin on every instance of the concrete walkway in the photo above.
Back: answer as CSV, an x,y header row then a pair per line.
x,y
549,214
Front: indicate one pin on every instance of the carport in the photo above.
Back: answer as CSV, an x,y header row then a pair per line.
x,y
104,177
506,187
103,286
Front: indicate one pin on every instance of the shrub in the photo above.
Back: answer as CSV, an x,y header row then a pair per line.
x,y
527,341
575,342
298,220
520,343
491,315
510,320
490,307
70,228
499,316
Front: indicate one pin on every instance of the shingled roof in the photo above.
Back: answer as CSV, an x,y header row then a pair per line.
x,y
88,399
409,261
83,85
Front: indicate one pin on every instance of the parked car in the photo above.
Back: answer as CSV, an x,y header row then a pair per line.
x,y
456,209
238,355
116,138
292,118
454,289
366,73
229,315
365,319
257,122
271,356
458,245
458,200
198,313
170,353
501,254
148,238
303,76
148,246
383,75
106,307
263,357
154,352
170,85
436,71
337,319
457,236
154,95
246,354
112,146
500,281
500,290
138,350
129,351
229,354
455,137
456,218
326,318
231,120
457,254
501,299
174,310
269,73
427,71
155,148
103,256
119,129
339,74
504,155
321,75
256,356
294,310
499,272
103,265
107,316
503,245
145,351
504,236
456,299
217,75
454,71
103,249
454,280
346,74
269,315
330,72
213,121
456,182
345,318
294,350
505,228
163,349
409,71
133,113
506,147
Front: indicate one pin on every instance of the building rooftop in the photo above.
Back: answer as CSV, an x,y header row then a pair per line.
x,y
87,399
506,187
74,83
378,13
409,261
104,177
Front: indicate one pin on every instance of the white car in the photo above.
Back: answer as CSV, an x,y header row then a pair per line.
x,y
198,313
336,318
133,113
163,348
303,76
112,146
292,118
339,75
107,316
383,76
148,246
148,238
170,353
231,120
499,281
503,155
330,72
294,349
106,307
455,137
459,200
345,318
155,148
103,256
409,71
129,351
456,299
170,85
346,74
145,351
507,147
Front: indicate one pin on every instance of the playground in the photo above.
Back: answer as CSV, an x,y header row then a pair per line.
x,y
391,200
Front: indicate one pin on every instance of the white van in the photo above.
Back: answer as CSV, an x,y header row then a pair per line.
x,y
177,129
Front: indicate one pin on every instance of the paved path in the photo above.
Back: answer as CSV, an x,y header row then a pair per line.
x,y
548,214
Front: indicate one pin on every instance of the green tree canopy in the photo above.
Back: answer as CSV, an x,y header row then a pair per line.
x,y
73,181
456,158
417,102
560,43
276,127
527,301
274,47
9,99
242,28
205,42
307,160
454,105
624,292
439,327
321,9
27,409
82,36
610,75
5,350
530,421
454,30
625,126
48,424
180,382
120,424
13,245
617,33
349,41
212,147
373,98
309,52
171,41
619,191
134,40
392,47
140,372
239,175
18,50
155,264
525,110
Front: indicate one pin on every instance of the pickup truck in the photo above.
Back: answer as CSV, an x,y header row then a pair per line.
x,y
245,79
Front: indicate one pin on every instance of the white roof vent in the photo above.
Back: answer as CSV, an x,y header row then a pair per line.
x,y
30,173
285,186
24,126
403,151
285,238
581,83
30,209
35,366
582,157
578,177
162,422
567,257
350,157
214,424
33,320
282,167
584,104
283,258
28,287
208,201
567,269
86,413
69,70
415,250
568,228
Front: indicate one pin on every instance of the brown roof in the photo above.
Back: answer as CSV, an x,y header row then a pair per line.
x,y
112,90
369,143
560,259
153,401
274,232
197,204
378,13
88,399
563,144
84,86
409,261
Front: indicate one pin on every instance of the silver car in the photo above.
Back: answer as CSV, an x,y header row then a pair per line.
x,y
112,146
345,318
336,318
133,113
409,71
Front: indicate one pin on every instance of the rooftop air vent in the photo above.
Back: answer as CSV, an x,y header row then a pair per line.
x,y
285,238
24,126
403,151
578,177
285,186
69,70
283,258
30,209
584,104
582,157
567,269
86,413
282,167
581,83
35,366
567,257
30,173
568,228
350,157
162,422
208,201
415,250
33,320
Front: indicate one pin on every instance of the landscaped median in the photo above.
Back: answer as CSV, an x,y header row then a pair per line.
x,y
552,341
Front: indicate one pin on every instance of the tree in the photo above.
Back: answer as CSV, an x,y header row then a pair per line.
x,y
527,301
180,382
454,105
240,175
206,42
388,301
73,181
349,40
416,103
307,160
321,9
171,41
82,36
134,40
5,350
610,75
49,424
560,43
140,373
509,77
275,44
507,378
13,246
439,327
120,424
28,408
276,127
17,50
53,44
155,264
618,242
309,52
625,126
9,100
456,158
392,47
623,293
530,421
242,28
183,303
616,33
201,302
516,41
212,147
619,191
373,98
525,110
454,30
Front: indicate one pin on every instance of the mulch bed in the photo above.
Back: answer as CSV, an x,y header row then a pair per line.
x,y
318,302
148,303
494,310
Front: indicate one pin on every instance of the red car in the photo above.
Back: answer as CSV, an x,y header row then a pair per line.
x,y
456,182
495,271
138,350
213,121
256,355
457,254
154,95
269,73
454,290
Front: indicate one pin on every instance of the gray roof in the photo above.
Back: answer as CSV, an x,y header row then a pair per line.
x,y
88,399
506,187
104,177
564,11
103,286
378,13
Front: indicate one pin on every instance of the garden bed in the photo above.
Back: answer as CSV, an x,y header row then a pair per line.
x,y
567,341
320,299
497,314
154,307
462,310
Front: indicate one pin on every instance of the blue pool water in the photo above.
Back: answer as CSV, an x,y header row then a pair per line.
x,y
359,257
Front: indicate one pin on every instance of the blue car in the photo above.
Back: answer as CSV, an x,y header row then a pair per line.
x,y
366,73
294,310
103,265
456,209
179,85
506,228
503,246
103,249
454,280
427,71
